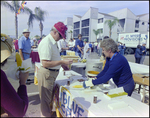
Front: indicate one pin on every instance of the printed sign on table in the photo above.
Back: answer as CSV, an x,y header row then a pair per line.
x,y
68,106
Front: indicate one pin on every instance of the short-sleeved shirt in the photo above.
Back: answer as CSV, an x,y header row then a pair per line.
x,y
63,44
24,44
71,44
80,43
31,42
48,50
74,42
86,47
59,46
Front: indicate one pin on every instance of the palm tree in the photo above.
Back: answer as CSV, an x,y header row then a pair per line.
x,y
96,32
13,7
111,24
70,33
39,15
101,31
31,17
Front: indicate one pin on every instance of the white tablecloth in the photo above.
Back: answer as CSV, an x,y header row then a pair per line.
x,y
83,100
139,68
35,49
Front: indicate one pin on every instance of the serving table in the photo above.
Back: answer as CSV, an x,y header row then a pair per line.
x,y
80,68
78,102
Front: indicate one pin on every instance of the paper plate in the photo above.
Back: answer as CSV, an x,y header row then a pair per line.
x,y
93,73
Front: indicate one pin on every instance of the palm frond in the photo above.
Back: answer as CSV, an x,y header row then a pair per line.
x,y
27,10
30,20
16,5
96,32
40,13
8,5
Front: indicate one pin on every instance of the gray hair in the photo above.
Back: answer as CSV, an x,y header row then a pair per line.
x,y
53,29
109,44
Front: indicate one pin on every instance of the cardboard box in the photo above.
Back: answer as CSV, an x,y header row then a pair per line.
x,y
141,79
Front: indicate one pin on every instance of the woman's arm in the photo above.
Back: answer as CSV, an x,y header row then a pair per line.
x,y
14,103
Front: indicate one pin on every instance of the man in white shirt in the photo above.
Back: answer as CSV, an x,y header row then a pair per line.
x,y
64,47
50,64
74,43
86,49
71,44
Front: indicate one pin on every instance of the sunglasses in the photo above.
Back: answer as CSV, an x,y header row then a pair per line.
x,y
60,35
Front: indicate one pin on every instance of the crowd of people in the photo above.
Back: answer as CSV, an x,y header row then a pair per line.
x,y
50,49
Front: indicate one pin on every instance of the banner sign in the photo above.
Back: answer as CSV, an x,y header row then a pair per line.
x,y
133,39
67,106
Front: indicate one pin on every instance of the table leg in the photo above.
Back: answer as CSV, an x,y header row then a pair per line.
x,y
143,93
139,88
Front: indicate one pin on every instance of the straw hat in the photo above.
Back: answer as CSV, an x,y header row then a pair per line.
x,y
6,47
26,30
61,29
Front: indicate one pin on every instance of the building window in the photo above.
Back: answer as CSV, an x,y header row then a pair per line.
x,y
142,23
137,24
76,25
85,31
100,20
136,30
75,33
85,23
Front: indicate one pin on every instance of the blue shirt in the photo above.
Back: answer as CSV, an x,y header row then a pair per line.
x,y
138,53
80,43
143,48
118,68
31,42
24,44
119,47
90,45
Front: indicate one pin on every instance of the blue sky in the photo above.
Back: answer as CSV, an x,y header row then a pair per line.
x,y
60,10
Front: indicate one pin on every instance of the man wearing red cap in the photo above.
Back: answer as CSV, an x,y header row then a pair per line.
x,y
50,64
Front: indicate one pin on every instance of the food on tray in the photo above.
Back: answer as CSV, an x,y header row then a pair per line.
x,y
93,72
83,60
78,86
116,95
74,58
71,53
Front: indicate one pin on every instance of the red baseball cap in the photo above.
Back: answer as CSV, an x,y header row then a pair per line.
x,y
61,29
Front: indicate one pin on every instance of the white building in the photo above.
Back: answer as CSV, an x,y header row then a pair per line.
x,y
93,19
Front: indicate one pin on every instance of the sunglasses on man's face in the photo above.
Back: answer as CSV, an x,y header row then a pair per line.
x,y
60,35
